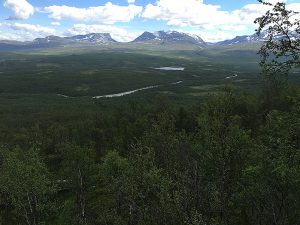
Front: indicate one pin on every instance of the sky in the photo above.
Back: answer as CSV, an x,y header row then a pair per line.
x,y
213,20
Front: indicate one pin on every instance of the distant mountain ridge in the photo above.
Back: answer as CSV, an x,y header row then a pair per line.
x,y
56,41
159,38
103,39
254,38
100,38
169,37
244,39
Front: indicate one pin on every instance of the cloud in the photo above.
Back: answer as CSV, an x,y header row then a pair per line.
x,y
117,33
30,28
28,32
247,14
107,14
209,21
196,13
25,32
7,36
21,9
55,23
294,7
185,13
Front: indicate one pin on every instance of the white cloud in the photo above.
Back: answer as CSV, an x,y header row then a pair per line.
x,y
25,32
55,23
294,7
30,28
250,12
117,33
108,13
196,13
21,8
7,36
209,21
186,13
28,32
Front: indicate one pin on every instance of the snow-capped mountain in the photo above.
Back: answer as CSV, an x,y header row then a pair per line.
x,y
255,38
169,37
102,38
96,38
56,41
160,38
243,39
49,39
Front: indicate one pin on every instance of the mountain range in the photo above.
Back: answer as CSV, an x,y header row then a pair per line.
x,y
105,39
169,37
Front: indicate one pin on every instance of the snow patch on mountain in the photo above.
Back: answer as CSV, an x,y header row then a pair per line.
x,y
169,36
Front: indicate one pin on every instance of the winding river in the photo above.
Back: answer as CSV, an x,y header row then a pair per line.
x,y
133,91
234,76
144,88
171,68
